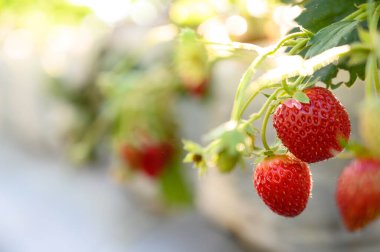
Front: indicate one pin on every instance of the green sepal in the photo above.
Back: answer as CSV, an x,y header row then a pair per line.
x,y
301,97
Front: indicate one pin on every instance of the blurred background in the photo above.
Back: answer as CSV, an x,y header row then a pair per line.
x,y
95,97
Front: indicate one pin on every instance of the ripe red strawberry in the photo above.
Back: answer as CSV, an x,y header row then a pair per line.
x,y
358,193
284,184
312,131
155,158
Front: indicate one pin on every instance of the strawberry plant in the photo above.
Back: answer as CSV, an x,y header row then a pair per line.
x,y
311,123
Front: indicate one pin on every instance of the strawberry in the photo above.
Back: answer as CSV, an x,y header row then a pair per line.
x,y
197,89
226,161
369,121
150,158
155,158
191,61
358,193
284,184
312,131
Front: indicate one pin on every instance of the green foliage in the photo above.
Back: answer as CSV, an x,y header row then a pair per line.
x,y
321,13
336,34
57,10
174,187
334,25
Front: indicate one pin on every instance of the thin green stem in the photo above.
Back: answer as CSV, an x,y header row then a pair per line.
x,y
298,47
257,115
360,47
372,77
368,77
375,73
264,127
361,17
373,16
286,87
212,145
354,15
246,104
299,80
291,42
245,80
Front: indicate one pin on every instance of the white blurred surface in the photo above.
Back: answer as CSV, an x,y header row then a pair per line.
x,y
46,205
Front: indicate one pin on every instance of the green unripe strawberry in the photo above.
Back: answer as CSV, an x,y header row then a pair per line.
x,y
226,161
369,125
192,63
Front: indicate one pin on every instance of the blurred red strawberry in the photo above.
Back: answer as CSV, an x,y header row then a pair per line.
x,y
358,193
151,158
155,158
197,89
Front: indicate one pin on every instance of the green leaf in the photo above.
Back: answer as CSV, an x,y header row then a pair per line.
x,y
357,71
323,17
340,33
336,86
336,34
321,13
326,74
174,188
301,97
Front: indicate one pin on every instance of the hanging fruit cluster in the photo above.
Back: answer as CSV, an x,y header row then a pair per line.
x,y
311,123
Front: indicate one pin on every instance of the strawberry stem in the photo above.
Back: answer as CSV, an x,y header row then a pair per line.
x,y
299,46
368,78
264,127
286,87
375,74
246,79
372,77
257,115
355,14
